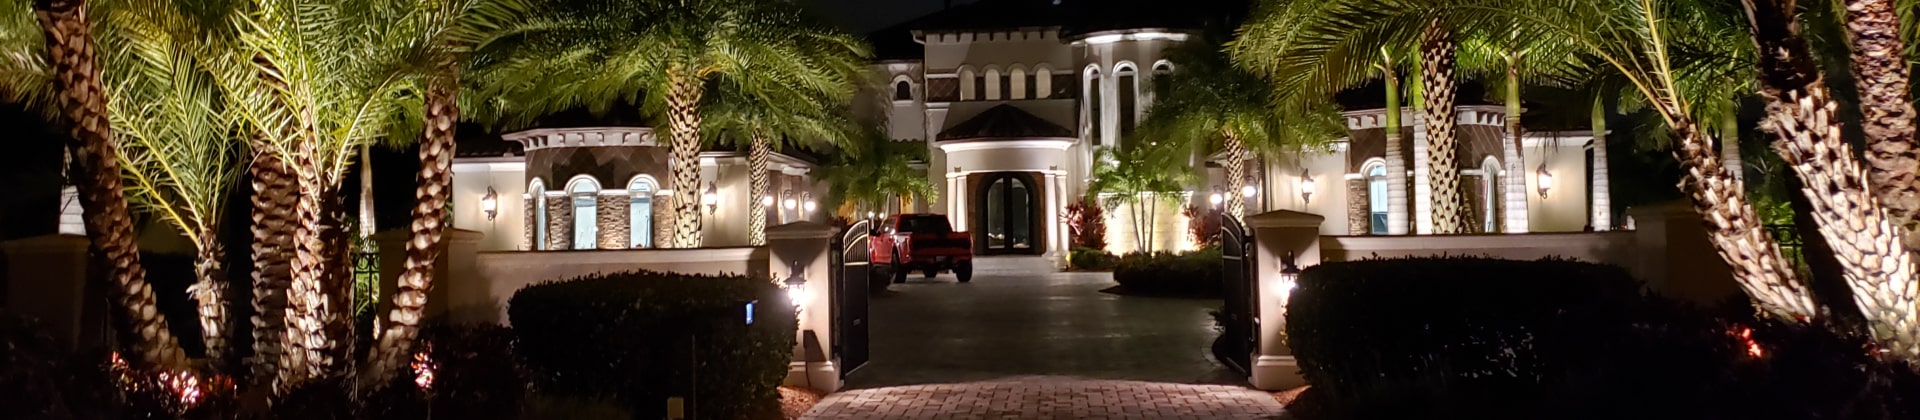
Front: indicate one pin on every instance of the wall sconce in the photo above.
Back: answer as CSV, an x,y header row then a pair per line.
x,y
1544,179
1216,198
1306,186
807,203
1248,190
796,284
711,198
490,204
1289,278
788,201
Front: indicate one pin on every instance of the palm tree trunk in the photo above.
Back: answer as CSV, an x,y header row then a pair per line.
x,y
683,122
1880,69
1443,173
210,292
1735,229
757,188
1236,175
1396,162
433,186
1514,181
367,226
1862,234
313,310
1602,201
273,197
76,76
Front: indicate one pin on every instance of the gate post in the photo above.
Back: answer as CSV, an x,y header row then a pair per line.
x,y
806,244
1276,234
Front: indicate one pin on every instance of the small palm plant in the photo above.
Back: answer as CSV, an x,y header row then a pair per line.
x,y
878,172
1143,177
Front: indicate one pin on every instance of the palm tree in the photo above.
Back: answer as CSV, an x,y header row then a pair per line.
x,y
668,53
1862,232
1142,177
1881,75
1210,98
770,120
875,172
71,77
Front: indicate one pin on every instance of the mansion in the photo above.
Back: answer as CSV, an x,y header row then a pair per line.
x,y
1011,98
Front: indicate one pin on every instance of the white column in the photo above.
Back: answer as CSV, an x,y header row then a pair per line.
x,y
1052,213
1422,189
960,201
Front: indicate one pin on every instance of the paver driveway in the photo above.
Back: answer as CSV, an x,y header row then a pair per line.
x,y
1023,341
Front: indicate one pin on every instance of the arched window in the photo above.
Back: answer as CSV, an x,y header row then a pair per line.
x,y
967,84
1042,83
902,91
1092,104
1377,197
537,192
993,86
1161,70
1489,189
585,193
1128,96
1022,86
640,210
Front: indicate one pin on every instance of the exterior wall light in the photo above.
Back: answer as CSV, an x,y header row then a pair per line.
x,y
1249,190
796,285
1544,178
1216,198
788,201
711,198
1306,186
766,200
490,204
807,203
1289,279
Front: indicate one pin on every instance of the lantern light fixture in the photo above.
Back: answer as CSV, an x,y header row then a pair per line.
x,y
796,285
788,201
1289,278
1249,190
711,198
1306,186
807,203
1544,179
490,204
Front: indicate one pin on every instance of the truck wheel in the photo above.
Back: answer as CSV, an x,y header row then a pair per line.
x,y
897,271
964,272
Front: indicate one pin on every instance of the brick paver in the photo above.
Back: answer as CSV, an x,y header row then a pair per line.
x,y
1049,397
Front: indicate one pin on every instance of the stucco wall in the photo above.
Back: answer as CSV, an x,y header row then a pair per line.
x,y
1564,209
507,177
1169,235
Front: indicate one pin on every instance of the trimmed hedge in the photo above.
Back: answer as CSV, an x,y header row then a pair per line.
x,y
628,337
1089,259
1193,273
1499,339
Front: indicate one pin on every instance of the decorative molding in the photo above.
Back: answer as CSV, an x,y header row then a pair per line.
x,y
1050,143
543,138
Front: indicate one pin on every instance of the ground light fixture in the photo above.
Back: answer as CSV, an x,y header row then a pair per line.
x,y
1544,178
490,204
1306,186
711,198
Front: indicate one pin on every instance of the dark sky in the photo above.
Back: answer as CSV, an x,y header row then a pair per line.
x,y
862,16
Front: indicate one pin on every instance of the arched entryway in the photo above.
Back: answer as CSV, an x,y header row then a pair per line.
x,y
1007,211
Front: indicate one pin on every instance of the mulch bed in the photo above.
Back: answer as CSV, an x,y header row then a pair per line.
x,y
795,402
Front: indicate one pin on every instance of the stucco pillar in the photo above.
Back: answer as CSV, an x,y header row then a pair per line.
x,y
47,279
1061,241
953,203
800,249
1277,233
616,231
559,221
960,201
1675,257
1052,214
455,275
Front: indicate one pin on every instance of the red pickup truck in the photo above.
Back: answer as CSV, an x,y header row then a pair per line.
x,y
905,243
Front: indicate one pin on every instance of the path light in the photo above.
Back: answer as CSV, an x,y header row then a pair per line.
x,y
1306,186
490,204
1544,178
711,198
796,284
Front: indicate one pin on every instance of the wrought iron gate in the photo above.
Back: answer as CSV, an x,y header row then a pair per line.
x,y
1240,335
848,254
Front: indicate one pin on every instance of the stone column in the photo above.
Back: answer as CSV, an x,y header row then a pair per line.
x,y
1675,257
804,245
527,222
663,218
47,279
616,230
1277,233
559,221
1359,213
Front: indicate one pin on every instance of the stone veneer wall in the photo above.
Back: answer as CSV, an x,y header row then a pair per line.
x,y
526,228
1359,218
559,223
663,221
616,232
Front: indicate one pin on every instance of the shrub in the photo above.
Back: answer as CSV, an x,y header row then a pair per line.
x,y
1483,338
1091,259
641,337
474,372
1088,224
1193,273
1203,225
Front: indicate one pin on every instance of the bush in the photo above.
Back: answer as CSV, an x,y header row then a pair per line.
x,y
1091,259
474,373
641,337
1483,338
1194,273
1087,224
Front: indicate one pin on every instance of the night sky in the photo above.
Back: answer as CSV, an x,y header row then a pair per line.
x,y
862,16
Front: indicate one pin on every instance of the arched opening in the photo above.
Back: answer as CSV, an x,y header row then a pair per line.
x,y
1129,98
1022,87
1042,83
585,193
968,84
1006,207
1092,106
902,91
992,88
1161,70
537,192
640,211
1376,173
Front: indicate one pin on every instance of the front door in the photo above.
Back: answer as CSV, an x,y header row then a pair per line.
x,y
1005,205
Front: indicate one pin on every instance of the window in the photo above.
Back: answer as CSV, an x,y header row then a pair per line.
x,y
1042,83
538,194
640,211
1489,188
1377,197
1160,72
1093,105
992,86
903,91
967,85
1129,97
1022,85
586,205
